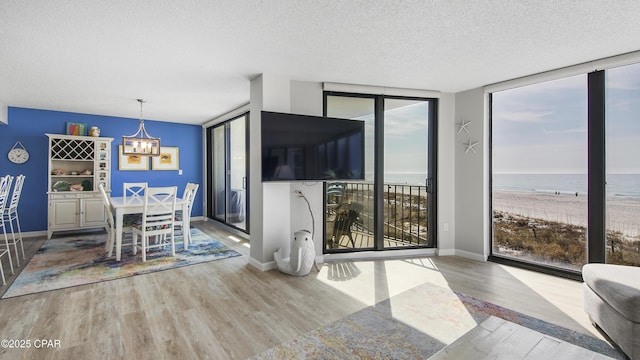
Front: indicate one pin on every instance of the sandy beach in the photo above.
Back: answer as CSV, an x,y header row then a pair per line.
x,y
623,214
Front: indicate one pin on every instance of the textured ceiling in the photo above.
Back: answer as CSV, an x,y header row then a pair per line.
x,y
193,59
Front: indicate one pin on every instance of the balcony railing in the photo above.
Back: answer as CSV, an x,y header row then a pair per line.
x,y
350,220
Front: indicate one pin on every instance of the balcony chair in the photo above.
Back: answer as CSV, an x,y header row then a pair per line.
x,y
159,211
188,196
5,185
10,214
335,192
343,223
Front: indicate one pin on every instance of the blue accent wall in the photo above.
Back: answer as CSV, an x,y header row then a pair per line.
x,y
30,125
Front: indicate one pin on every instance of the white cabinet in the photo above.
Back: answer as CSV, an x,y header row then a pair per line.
x,y
77,165
63,214
92,212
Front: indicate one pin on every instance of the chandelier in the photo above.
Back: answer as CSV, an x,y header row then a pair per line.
x,y
141,143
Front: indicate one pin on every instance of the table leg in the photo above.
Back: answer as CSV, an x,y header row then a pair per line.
x,y
186,226
119,220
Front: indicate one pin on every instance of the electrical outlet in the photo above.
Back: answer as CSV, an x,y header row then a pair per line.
x,y
180,172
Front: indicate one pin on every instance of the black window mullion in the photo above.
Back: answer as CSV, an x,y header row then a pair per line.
x,y
432,187
210,192
596,178
378,183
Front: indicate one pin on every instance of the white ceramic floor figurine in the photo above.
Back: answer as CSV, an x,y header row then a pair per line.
x,y
303,254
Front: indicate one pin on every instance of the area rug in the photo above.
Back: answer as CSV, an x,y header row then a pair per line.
x,y
415,324
72,261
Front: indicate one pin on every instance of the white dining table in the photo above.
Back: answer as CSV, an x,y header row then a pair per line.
x,y
134,205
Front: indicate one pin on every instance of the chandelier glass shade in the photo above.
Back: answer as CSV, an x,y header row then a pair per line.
x,y
141,143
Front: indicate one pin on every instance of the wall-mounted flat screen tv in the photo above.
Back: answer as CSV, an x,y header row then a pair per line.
x,y
311,148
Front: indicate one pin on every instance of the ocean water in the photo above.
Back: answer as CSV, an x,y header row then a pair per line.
x,y
618,185
405,178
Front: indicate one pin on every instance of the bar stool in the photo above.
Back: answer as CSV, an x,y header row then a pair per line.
x,y
10,214
5,185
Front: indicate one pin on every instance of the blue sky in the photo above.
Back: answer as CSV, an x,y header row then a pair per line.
x,y
541,128
405,140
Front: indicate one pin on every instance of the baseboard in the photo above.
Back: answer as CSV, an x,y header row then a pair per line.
x,y
373,255
28,234
198,218
470,255
446,252
262,266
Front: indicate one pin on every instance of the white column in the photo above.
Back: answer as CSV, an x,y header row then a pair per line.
x,y
471,176
270,213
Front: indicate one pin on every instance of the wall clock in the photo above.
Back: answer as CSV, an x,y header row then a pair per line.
x,y
18,153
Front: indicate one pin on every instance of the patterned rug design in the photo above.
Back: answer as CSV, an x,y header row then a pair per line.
x,y
72,261
415,325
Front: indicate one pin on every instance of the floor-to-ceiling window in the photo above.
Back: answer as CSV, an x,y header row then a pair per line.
x,y
623,164
539,161
391,208
228,172
565,174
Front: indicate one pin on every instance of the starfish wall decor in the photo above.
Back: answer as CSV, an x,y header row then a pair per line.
x,y
470,146
463,126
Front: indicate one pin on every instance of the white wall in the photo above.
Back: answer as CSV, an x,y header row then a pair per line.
x,y
4,113
471,176
446,173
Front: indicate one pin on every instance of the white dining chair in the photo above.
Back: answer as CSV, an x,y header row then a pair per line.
x,y
159,211
10,214
111,225
133,189
5,185
188,196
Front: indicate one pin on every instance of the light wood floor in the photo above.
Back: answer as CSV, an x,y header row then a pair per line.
x,y
496,338
227,309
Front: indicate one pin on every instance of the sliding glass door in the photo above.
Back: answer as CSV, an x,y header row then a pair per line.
x,y
406,173
350,206
228,175
392,207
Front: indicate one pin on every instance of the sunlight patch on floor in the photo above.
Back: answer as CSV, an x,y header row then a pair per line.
x,y
373,281
444,317
405,282
562,297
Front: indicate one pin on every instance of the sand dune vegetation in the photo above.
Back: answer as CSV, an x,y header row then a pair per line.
x,y
557,243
